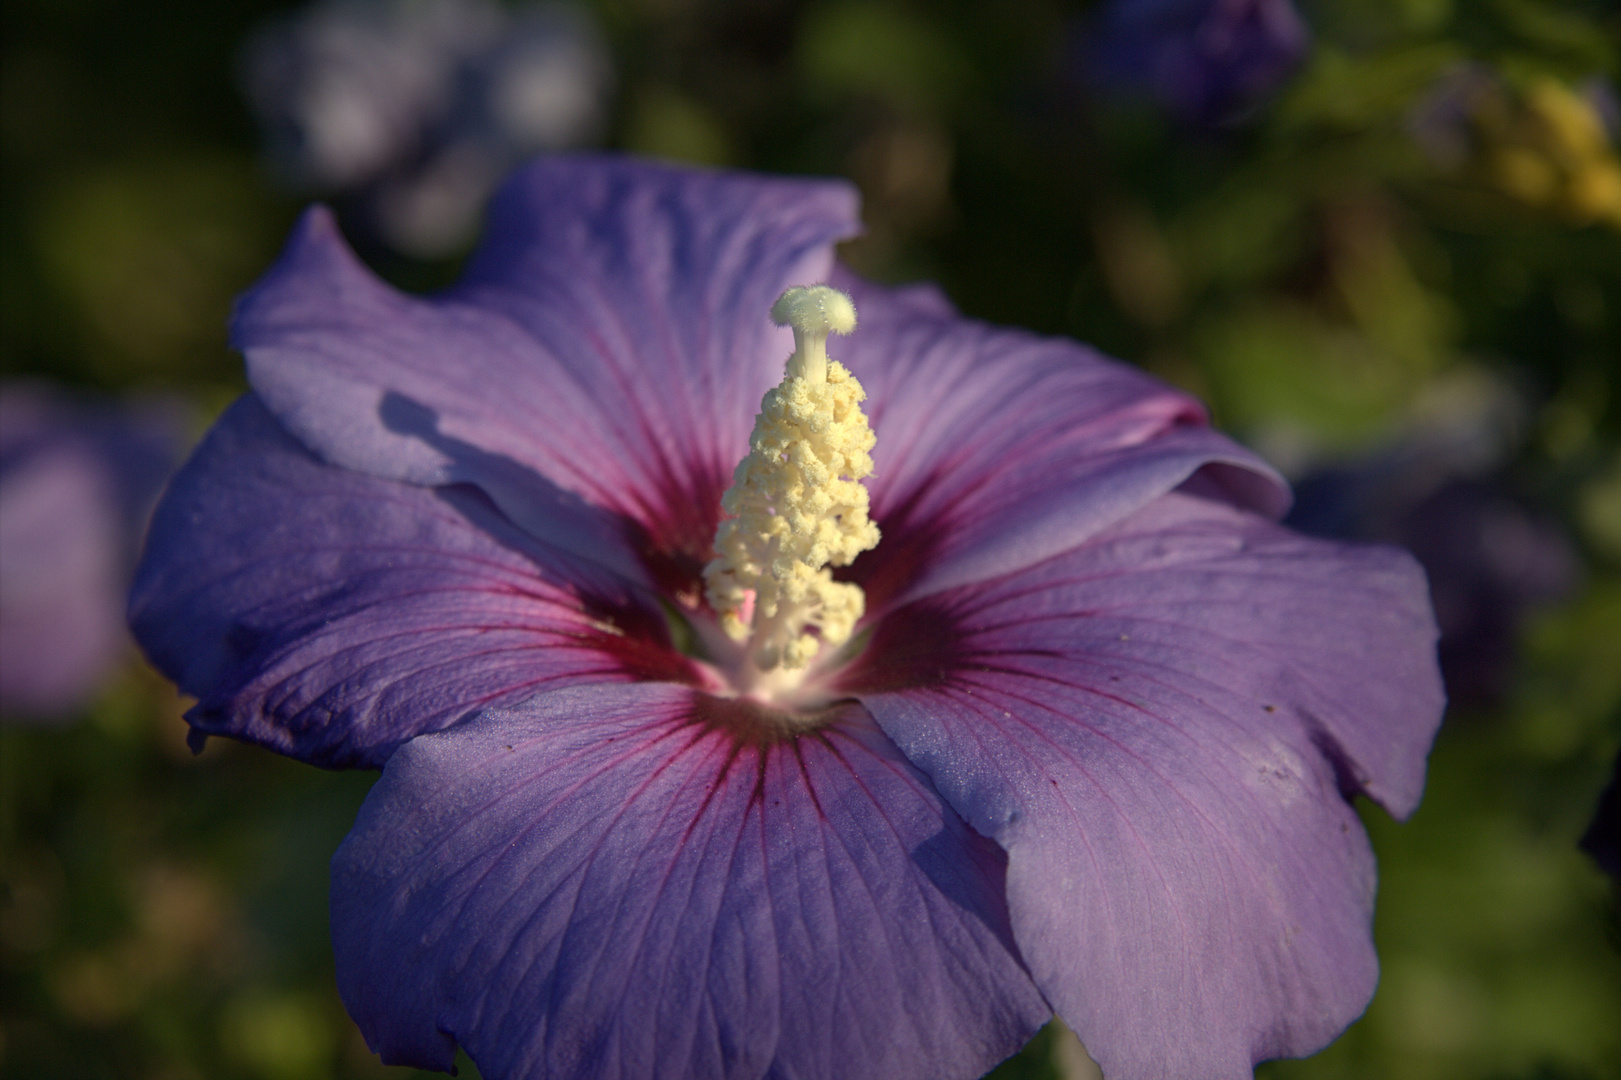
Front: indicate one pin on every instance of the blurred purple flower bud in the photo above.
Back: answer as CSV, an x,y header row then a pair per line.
x,y
1602,840
1490,559
1206,60
1442,122
417,109
76,485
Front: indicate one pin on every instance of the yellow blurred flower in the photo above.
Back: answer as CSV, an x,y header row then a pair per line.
x,y
1549,149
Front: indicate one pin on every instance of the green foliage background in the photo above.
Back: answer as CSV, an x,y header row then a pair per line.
x,y
1312,272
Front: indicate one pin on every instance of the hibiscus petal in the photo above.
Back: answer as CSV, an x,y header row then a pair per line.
x,y
617,882
998,448
1162,728
332,615
619,315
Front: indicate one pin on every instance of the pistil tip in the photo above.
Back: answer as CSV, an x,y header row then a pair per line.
x,y
815,309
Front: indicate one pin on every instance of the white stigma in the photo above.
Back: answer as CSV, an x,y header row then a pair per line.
x,y
796,504
813,311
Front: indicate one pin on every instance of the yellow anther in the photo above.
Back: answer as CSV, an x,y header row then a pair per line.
x,y
796,504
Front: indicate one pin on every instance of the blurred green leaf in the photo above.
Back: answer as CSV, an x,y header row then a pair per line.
x,y
1352,92
667,124
888,51
149,255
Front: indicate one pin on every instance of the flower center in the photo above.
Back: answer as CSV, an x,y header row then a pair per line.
x,y
796,505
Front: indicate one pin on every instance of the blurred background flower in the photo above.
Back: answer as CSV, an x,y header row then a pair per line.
x,y
77,484
413,110
1441,491
1547,145
1208,61
1401,234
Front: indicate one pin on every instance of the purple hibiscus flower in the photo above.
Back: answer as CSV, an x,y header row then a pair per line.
x,y
1205,60
1090,751
76,484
